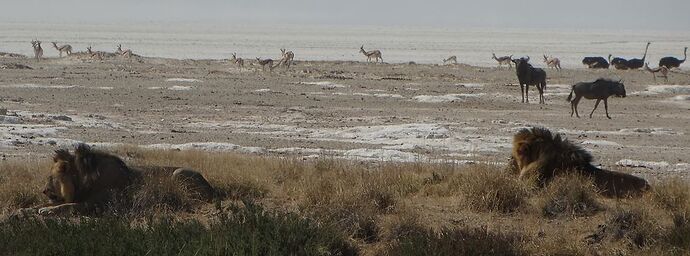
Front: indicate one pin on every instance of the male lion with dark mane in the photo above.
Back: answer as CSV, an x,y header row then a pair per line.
x,y
88,178
540,154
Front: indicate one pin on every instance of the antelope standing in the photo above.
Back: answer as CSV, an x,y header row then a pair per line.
x,y
376,54
65,48
287,57
661,69
503,60
125,53
552,62
238,61
453,59
265,62
38,50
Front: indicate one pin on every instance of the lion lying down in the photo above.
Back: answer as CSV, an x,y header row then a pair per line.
x,y
88,178
538,153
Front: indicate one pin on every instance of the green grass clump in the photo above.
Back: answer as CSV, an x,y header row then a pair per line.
x,y
245,231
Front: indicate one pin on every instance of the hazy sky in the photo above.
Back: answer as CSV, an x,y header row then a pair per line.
x,y
578,14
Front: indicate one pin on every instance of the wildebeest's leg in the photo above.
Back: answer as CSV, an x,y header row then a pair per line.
x,y
541,87
574,103
595,107
606,106
527,93
522,93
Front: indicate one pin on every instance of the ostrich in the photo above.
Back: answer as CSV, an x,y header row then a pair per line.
x,y
595,62
673,62
618,63
638,63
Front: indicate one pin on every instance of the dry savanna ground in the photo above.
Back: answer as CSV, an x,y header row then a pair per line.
x,y
379,159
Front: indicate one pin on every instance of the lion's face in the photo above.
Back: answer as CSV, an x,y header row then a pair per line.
x,y
52,192
59,187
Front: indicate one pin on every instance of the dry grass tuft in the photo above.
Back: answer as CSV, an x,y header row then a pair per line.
x,y
459,241
21,184
485,189
672,195
570,195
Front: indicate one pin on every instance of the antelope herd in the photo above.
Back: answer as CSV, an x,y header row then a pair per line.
x,y
527,74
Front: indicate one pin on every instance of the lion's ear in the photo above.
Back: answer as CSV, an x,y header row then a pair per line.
x,y
84,157
62,155
82,149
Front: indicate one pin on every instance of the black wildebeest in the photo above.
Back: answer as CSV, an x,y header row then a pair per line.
x,y
638,63
528,75
595,62
618,63
673,62
601,89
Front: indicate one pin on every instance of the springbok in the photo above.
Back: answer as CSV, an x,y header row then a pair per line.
x,y
238,61
287,57
503,60
65,48
552,62
453,59
376,54
265,62
661,69
125,53
38,50
94,55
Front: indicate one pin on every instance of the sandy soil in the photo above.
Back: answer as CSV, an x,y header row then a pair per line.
x,y
397,112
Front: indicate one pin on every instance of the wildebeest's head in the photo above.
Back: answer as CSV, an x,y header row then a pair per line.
x,y
618,88
520,61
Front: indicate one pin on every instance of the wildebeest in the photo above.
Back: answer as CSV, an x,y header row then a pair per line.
x,y
673,62
528,75
601,89
595,62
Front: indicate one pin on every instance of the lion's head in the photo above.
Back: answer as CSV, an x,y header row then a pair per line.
x,y
61,184
85,174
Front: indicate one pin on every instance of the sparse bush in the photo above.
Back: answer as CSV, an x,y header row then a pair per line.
x,y
486,189
572,195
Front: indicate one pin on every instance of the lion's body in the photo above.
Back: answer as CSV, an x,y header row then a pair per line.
x,y
539,153
89,178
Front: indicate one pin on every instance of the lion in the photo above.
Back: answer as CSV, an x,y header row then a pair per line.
x,y
89,178
539,154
